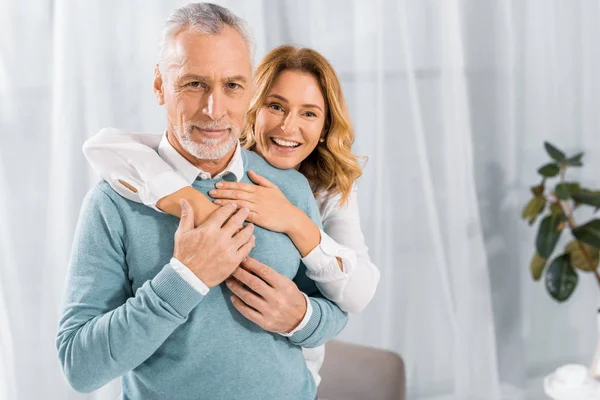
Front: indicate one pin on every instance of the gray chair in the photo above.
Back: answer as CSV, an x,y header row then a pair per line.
x,y
352,372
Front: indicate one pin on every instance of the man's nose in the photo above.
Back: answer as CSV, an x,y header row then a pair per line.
x,y
215,106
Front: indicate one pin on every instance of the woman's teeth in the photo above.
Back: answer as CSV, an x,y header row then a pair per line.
x,y
285,143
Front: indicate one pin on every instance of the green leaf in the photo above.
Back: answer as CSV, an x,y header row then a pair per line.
x,y
549,170
566,189
575,161
534,208
589,233
555,153
548,234
586,196
537,266
578,259
561,278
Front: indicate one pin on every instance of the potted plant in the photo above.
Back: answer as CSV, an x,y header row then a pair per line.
x,y
582,253
556,202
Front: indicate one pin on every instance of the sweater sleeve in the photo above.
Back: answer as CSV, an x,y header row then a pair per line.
x,y
327,319
105,329
354,287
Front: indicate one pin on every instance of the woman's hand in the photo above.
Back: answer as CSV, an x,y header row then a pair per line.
x,y
269,208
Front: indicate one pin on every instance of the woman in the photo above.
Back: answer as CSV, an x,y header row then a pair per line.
x,y
297,119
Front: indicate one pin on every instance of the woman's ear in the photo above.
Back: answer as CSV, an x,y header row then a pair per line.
x,y
158,86
323,134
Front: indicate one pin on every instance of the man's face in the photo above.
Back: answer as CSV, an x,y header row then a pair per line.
x,y
205,85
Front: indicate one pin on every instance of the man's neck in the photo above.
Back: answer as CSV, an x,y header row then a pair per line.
x,y
213,167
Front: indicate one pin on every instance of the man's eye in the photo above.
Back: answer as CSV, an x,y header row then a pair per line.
x,y
233,86
195,84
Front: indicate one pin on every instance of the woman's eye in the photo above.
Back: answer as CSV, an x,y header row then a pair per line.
x,y
310,114
275,107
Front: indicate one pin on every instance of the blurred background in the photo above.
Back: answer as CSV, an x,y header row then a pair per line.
x,y
451,101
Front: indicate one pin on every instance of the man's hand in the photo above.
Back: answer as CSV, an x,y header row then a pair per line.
x,y
277,305
215,248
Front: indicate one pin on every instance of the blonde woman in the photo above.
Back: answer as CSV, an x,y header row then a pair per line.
x,y
297,119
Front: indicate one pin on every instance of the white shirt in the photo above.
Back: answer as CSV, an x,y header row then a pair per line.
x,y
132,157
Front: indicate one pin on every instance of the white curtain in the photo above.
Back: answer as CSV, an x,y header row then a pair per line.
x,y
451,101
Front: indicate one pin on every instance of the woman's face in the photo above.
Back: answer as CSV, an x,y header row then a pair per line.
x,y
290,122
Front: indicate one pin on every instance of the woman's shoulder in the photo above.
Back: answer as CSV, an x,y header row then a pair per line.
x,y
330,204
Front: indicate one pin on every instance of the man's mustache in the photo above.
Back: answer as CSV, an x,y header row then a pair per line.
x,y
203,125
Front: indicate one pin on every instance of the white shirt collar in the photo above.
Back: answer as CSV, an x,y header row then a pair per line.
x,y
190,172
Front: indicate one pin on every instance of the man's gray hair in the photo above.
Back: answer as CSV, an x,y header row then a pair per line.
x,y
205,18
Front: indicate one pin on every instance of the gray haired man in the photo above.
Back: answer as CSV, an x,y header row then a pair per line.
x,y
145,298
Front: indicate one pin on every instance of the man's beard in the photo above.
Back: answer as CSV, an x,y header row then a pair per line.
x,y
207,149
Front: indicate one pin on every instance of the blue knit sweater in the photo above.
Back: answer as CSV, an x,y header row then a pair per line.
x,y
128,314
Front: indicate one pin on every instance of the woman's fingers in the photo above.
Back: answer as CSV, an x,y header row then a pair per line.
x,y
246,187
259,179
230,194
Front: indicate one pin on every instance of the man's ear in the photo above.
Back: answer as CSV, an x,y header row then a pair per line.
x,y
158,86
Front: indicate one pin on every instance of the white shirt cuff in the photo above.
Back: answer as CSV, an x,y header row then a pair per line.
x,y
161,186
304,321
321,262
189,276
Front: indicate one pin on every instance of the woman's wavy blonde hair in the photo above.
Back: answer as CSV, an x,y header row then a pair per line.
x,y
331,166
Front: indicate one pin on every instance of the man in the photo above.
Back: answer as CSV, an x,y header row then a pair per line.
x,y
151,299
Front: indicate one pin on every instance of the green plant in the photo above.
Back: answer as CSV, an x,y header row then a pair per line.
x,y
583,252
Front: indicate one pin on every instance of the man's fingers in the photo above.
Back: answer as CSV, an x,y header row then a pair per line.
x,y
219,216
263,271
248,312
246,248
236,220
243,235
253,282
186,222
251,299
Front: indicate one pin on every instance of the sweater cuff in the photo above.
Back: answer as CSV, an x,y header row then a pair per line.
x,y
311,325
305,320
189,276
173,289
321,262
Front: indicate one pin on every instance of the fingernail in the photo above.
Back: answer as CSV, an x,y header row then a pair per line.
x,y
245,258
218,202
212,192
234,205
182,203
219,185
